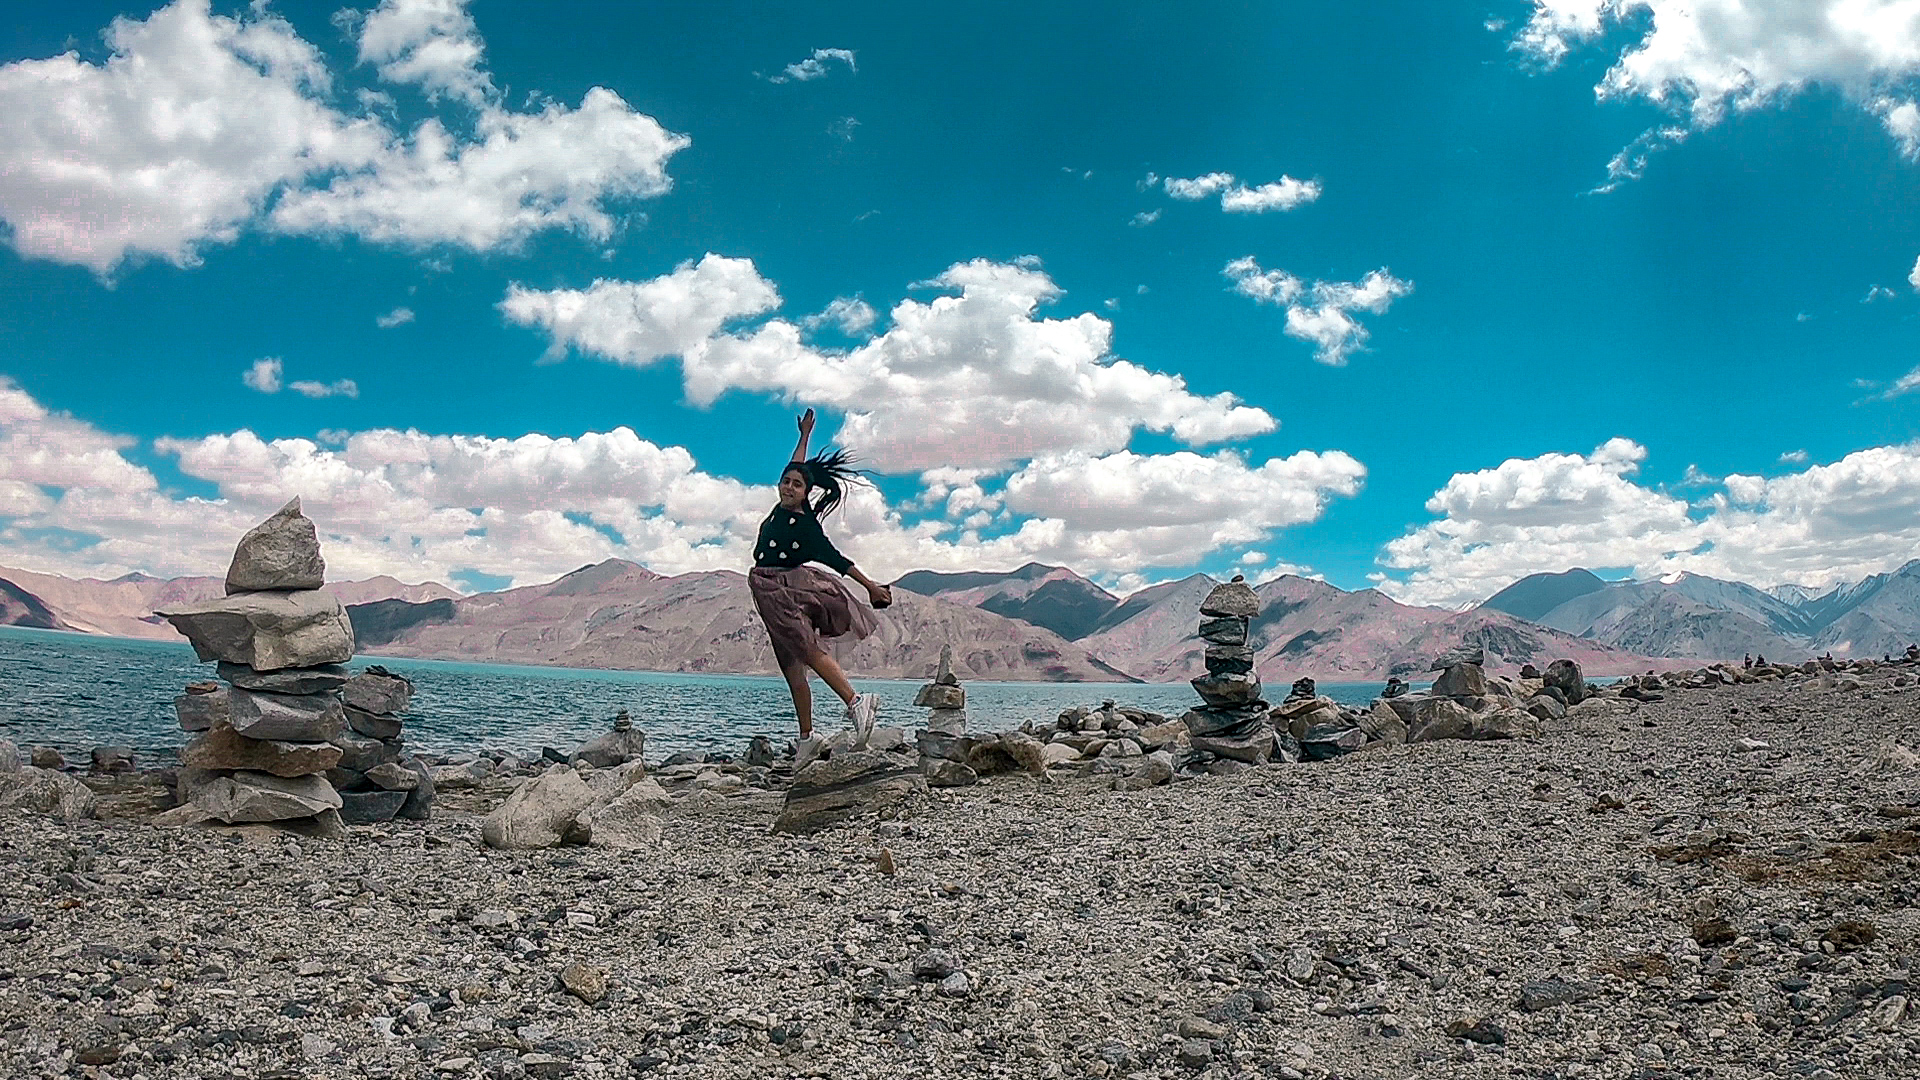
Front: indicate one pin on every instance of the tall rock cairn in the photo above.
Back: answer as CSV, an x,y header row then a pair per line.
x,y
943,743
1233,721
274,744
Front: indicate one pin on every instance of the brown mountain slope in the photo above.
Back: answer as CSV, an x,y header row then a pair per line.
x,y
620,615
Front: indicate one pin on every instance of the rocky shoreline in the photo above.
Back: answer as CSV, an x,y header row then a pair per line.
x,y
1712,878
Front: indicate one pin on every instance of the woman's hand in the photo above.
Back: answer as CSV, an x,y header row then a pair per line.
x,y
806,424
880,596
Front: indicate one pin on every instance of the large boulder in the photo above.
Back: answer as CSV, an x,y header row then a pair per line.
x,y
377,690
310,680
224,748
202,707
43,791
1462,680
1565,676
831,791
370,807
630,821
294,718
1437,718
281,553
540,812
268,631
257,796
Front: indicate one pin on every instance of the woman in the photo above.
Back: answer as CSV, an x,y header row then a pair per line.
x,y
802,605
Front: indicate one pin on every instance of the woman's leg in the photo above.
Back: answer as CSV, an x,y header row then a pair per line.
x,y
823,662
802,691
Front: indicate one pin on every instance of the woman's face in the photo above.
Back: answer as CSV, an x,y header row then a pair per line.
x,y
793,491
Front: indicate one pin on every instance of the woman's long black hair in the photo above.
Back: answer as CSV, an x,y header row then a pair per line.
x,y
830,471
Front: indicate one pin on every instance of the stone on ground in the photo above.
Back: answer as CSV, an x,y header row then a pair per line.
x,y
268,631
539,812
831,791
280,553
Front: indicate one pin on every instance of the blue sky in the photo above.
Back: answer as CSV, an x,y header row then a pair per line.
x,y
1503,357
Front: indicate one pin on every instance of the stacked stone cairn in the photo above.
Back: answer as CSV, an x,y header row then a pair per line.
x,y
275,744
1465,703
1232,724
943,743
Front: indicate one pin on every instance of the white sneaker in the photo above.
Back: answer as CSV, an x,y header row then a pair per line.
x,y
806,751
862,711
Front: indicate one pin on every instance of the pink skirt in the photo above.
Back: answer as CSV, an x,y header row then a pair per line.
x,y
803,605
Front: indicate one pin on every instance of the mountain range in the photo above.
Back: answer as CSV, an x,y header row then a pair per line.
x,y
1698,617
1049,623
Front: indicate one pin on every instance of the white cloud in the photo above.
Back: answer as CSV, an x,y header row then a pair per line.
x,y
430,42
399,316
263,375
817,66
1877,292
1841,521
424,507
1913,275
1144,218
1237,198
843,128
1702,58
1199,187
336,388
851,314
968,380
1794,457
1323,312
1905,384
196,123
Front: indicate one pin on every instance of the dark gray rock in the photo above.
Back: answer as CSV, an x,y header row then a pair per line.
x,y
1546,707
248,797
1462,680
301,718
1228,689
372,725
419,804
1565,676
941,696
268,631
110,760
379,691
392,776
1548,992
1229,659
832,790
370,807
759,752
362,754
943,773
280,553
617,747
204,705
1235,599
1224,631
1459,654
313,680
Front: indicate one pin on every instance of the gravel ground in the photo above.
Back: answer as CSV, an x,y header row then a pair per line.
x,y
1629,895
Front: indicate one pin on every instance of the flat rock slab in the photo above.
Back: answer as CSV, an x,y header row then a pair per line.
x,y
370,807
282,552
308,680
360,753
257,796
941,696
845,786
203,706
1234,599
225,748
373,725
268,631
295,718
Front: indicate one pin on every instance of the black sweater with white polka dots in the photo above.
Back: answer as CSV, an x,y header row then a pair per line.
x,y
790,537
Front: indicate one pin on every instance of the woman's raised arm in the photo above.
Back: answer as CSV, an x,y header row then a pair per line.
x,y
806,433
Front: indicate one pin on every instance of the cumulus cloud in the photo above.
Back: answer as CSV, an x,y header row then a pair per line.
x,y
1913,275
1321,313
852,315
430,42
263,375
817,66
195,124
976,379
1237,198
1793,457
1827,523
423,507
1702,58
399,316
1144,218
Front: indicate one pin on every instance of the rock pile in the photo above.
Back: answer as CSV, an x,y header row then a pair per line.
x,y
1232,723
1464,703
276,742
617,747
943,745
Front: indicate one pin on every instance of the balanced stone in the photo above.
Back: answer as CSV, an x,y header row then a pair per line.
x,y
1235,598
204,705
617,747
225,748
257,796
1229,659
377,690
1251,743
947,722
311,680
1462,680
302,718
359,753
280,553
1224,631
1224,721
1459,654
268,631
941,696
371,725
944,674
393,776
1228,689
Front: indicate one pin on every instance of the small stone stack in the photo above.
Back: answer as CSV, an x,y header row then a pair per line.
x,y
943,743
617,747
267,741
376,778
1233,723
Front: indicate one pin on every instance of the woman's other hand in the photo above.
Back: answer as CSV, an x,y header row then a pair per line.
x,y
880,596
806,423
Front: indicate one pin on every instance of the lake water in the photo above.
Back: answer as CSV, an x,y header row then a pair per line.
x,y
77,691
